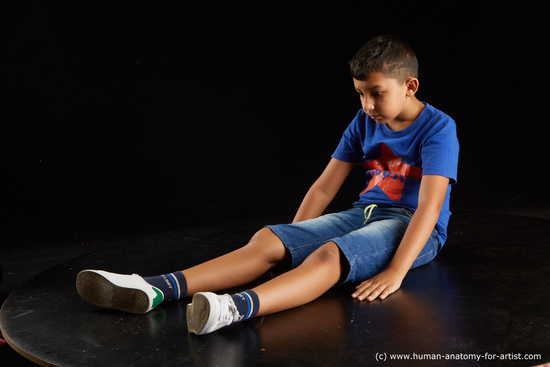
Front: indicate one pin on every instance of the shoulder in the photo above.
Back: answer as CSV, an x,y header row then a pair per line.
x,y
360,119
434,123
434,117
358,126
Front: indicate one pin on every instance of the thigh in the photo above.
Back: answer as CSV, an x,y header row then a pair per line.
x,y
303,238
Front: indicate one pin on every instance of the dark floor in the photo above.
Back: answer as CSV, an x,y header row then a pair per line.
x,y
21,263
20,266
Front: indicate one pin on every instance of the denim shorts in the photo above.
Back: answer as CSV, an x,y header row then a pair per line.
x,y
368,247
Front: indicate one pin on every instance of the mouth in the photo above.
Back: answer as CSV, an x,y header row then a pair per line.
x,y
375,117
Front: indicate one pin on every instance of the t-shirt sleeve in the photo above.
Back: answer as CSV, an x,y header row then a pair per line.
x,y
440,152
349,149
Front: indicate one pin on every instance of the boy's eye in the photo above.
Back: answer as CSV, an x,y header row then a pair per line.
x,y
376,94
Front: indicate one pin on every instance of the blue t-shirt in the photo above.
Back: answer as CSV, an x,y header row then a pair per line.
x,y
395,161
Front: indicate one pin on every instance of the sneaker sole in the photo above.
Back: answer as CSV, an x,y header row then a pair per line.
x,y
100,292
200,316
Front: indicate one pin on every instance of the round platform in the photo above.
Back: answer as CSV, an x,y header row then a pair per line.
x,y
483,301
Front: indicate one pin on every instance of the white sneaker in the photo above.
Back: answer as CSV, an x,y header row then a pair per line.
x,y
128,293
209,312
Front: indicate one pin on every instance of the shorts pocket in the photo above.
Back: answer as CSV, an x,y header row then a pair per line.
x,y
409,213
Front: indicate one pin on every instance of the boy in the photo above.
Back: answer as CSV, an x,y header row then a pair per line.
x,y
410,153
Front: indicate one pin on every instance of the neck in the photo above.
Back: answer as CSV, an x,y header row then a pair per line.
x,y
409,115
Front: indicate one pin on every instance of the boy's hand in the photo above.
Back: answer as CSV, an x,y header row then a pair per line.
x,y
381,285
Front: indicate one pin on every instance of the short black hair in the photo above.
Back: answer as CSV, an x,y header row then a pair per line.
x,y
388,55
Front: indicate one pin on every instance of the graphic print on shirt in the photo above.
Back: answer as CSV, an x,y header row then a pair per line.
x,y
389,173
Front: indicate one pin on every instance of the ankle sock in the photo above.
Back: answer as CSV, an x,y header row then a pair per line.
x,y
173,285
247,303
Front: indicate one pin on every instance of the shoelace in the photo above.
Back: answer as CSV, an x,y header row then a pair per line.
x,y
228,313
369,209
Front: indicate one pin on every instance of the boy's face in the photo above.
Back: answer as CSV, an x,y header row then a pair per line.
x,y
387,101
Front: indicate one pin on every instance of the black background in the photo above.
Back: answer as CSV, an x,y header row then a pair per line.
x,y
134,117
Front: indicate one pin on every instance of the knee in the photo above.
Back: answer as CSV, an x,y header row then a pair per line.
x,y
264,239
329,253
262,235
265,242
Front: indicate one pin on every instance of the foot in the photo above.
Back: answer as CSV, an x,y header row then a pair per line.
x,y
129,293
209,312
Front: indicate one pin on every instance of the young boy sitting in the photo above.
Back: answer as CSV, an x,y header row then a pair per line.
x,y
409,151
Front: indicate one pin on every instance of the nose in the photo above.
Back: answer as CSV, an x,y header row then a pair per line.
x,y
368,105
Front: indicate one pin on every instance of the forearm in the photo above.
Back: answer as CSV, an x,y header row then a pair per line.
x,y
416,236
313,205
418,232
323,190
430,201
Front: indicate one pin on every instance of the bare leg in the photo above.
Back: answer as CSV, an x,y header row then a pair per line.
x,y
317,274
242,266
320,271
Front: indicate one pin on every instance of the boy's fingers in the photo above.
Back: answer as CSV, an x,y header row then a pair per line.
x,y
380,291
375,293
364,283
367,292
361,288
384,294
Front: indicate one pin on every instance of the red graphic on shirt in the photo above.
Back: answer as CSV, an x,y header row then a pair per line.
x,y
389,173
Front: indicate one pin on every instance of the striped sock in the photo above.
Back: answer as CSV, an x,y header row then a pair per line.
x,y
173,285
247,303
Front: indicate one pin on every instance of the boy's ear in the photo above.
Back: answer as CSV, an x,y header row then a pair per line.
x,y
412,86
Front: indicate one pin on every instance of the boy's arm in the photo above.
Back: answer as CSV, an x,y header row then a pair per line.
x,y
323,190
430,200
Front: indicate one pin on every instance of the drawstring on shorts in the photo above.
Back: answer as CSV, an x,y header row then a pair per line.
x,y
369,209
